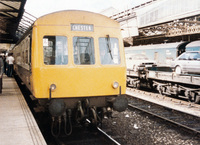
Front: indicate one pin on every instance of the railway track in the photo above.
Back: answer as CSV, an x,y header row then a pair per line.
x,y
167,101
179,118
85,136
114,142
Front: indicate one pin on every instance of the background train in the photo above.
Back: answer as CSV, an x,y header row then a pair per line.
x,y
170,68
73,62
163,54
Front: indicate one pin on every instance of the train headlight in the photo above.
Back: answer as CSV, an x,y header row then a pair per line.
x,y
52,87
115,85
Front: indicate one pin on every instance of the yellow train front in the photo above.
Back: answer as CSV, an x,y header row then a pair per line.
x,y
75,63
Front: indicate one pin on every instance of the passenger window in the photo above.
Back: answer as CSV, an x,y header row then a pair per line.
x,y
55,50
197,56
109,50
83,50
183,57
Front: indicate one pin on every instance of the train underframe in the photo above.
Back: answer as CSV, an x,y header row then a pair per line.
x,y
178,90
67,112
170,88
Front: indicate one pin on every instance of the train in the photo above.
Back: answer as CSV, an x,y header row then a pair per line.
x,y
166,82
73,63
159,72
163,54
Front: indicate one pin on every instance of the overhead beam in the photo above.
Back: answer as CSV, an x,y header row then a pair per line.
x,y
9,10
8,5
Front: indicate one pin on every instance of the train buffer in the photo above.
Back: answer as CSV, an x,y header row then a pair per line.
x,y
17,124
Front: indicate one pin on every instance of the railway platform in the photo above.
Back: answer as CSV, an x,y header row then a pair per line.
x,y
17,124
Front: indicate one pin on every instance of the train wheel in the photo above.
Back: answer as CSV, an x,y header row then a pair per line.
x,y
79,113
93,116
138,86
197,99
160,89
134,68
178,70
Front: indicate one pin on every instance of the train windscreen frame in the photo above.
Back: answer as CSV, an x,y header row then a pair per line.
x,y
83,48
109,51
55,50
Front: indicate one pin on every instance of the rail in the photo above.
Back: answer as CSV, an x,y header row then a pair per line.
x,y
178,118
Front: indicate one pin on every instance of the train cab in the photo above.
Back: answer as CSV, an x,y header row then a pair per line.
x,y
74,60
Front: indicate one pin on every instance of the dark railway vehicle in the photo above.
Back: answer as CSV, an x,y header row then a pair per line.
x,y
73,63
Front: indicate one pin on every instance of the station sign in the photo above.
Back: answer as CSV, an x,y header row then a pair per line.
x,y
82,27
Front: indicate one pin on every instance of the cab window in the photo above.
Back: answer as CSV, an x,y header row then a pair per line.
x,y
183,57
194,55
55,50
109,51
197,56
83,50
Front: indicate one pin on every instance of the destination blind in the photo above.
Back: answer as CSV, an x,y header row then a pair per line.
x,y
82,27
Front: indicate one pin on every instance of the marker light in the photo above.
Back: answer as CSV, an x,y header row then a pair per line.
x,y
115,85
53,87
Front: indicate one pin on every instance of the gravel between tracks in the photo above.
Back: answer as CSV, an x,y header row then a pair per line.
x,y
137,128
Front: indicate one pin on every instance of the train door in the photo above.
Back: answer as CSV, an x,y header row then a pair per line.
x,y
26,56
29,60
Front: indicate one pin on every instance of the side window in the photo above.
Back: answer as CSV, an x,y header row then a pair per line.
x,y
194,55
109,51
23,50
55,50
83,50
183,57
197,56
26,49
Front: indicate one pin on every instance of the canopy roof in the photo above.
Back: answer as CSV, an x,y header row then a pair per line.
x,y
11,12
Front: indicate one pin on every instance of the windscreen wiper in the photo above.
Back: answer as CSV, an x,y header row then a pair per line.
x,y
108,44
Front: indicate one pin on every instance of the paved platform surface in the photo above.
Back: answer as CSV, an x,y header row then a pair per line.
x,y
17,124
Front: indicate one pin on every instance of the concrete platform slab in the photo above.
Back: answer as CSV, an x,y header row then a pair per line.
x,y
17,124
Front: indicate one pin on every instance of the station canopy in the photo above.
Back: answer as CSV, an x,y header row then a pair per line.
x,y
11,12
